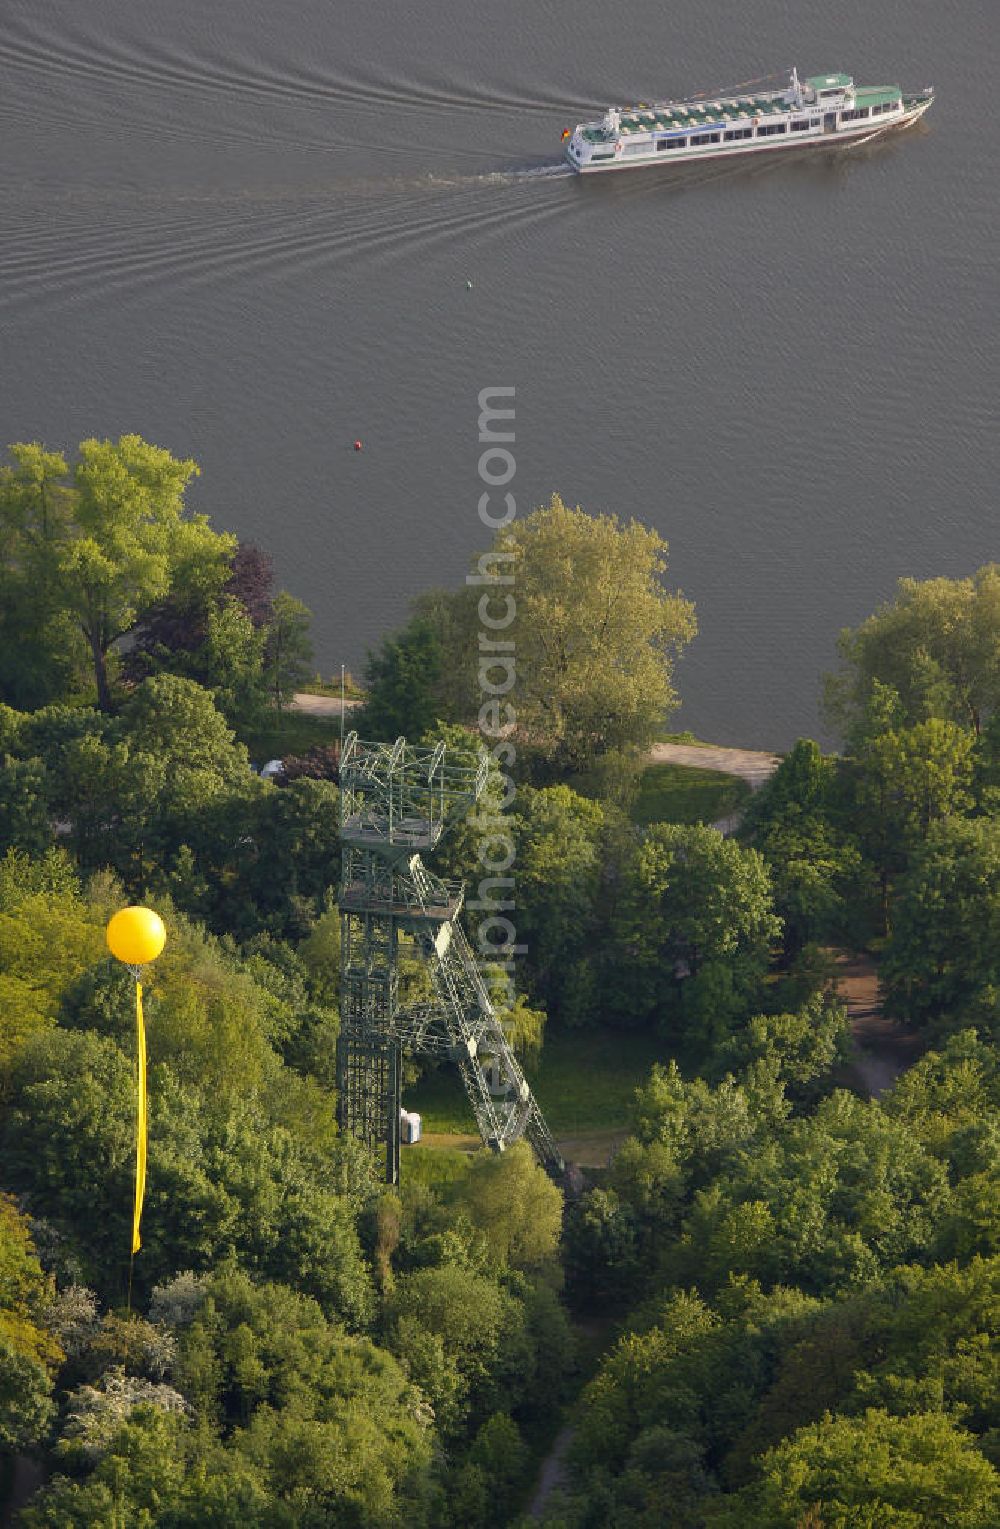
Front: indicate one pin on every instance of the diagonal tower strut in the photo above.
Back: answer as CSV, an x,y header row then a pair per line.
x,y
397,800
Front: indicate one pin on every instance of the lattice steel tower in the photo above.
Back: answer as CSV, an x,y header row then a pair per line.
x,y
396,800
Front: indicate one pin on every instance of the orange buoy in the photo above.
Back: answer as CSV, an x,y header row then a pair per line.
x,y
357,445
565,132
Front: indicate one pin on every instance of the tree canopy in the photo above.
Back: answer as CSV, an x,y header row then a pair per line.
x,y
597,632
930,652
107,539
595,635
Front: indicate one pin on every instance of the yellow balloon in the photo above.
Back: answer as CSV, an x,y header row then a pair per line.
x,y
136,936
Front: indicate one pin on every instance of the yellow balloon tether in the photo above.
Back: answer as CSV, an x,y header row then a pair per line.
x,y
136,936
140,1121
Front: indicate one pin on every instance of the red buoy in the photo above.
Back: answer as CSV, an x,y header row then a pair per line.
x,y
357,445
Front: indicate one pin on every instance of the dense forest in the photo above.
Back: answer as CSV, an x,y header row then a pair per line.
x,y
775,1307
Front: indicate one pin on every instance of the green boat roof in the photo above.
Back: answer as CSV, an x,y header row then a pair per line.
x,y
649,119
664,117
829,81
876,95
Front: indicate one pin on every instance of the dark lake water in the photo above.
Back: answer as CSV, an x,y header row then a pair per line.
x,y
245,231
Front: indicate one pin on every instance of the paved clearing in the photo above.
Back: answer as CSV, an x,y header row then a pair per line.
x,y
751,765
320,705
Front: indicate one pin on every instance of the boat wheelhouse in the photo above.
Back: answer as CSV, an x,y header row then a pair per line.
x,y
826,110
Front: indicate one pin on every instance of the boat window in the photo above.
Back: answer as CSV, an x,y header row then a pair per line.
x,y
602,156
706,138
801,125
672,143
768,129
814,122
738,132
825,94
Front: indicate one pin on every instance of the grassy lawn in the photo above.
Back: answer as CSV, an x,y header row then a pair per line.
x,y
331,687
435,1166
584,1082
292,732
663,736
673,793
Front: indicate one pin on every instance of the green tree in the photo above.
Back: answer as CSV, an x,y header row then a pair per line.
x,y
601,1250
48,938
900,1472
226,1177
118,541
637,1384
462,1337
243,1346
796,821
134,792
498,1454
212,635
24,814
560,846
403,679
706,1129
803,1048
942,962
28,1353
513,1202
933,649
596,631
158,1469
828,1201
177,722
69,1140
288,654
41,652
917,775
296,846
232,661
693,930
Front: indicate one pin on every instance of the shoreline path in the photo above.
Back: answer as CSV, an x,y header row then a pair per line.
x,y
755,766
320,705
752,765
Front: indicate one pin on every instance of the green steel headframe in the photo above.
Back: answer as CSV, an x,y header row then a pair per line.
x,y
396,800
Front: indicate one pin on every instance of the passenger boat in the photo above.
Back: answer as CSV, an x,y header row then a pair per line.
x,y
827,111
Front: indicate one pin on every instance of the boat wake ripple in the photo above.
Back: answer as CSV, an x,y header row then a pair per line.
x,y
75,55
111,248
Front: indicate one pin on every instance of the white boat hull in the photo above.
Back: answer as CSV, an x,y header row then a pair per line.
x,y
840,137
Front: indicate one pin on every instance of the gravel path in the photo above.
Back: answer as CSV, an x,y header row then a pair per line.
x,y
553,1471
882,1048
